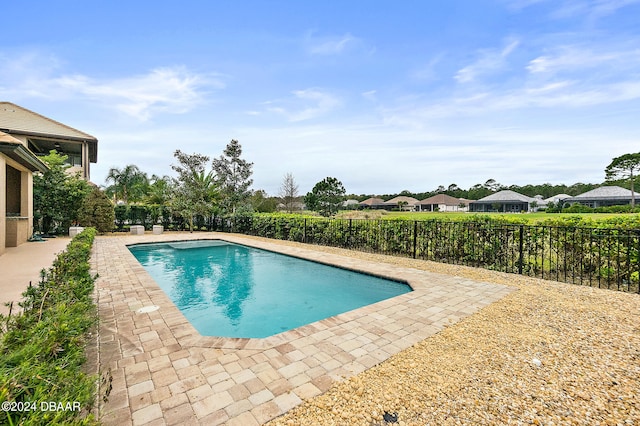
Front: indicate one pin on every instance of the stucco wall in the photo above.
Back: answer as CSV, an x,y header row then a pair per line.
x,y
3,202
20,182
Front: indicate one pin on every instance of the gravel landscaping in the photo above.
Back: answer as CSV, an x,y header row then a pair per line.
x,y
549,354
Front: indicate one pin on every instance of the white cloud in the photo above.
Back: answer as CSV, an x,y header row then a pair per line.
x,y
384,159
578,58
369,95
559,94
591,10
490,61
172,90
306,104
331,45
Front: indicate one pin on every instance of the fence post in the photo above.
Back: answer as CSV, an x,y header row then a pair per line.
x,y
304,231
349,237
638,261
415,238
521,249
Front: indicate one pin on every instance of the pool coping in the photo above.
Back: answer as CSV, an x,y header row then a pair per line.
x,y
196,339
158,359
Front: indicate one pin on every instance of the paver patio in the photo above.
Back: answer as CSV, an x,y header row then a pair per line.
x,y
164,373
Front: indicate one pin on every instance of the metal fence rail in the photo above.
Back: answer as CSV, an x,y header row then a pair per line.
x,y
601,257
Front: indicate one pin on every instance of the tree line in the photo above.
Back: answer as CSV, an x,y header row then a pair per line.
x,y
203,187
622,171
221,186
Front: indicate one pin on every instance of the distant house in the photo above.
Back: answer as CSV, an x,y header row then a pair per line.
x,y
444,203
350,204
17,165
555,199
41,135
372,203
294,206
604,196
402,203
503,201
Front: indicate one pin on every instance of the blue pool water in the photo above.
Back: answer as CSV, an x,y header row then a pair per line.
x,y
229,290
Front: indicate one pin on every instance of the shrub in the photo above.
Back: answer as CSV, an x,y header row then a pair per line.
x,y
577,208
97,211
570,248
42,349
139,214
121,212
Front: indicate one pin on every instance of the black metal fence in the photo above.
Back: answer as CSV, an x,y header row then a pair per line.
x,y
600,257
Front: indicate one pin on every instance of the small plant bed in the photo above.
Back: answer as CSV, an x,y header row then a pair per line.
x,y
42,349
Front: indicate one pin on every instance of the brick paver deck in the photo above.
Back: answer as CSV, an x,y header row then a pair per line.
x,y
164,373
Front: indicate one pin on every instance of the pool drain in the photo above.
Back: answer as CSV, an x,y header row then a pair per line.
x,y
148,309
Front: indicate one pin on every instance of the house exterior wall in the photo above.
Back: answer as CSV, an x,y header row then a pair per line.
x,y
595,203
450,208
503,207
27,201
439,208
3,203
15,230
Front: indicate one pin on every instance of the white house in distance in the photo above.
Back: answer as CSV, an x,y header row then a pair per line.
x,y
604,196
401,202
372,203
503,201
444,203
555,199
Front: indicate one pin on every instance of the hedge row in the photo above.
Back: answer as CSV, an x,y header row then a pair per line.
x,y
42,349
569,249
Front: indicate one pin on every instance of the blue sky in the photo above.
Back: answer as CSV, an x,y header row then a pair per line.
x,y
384,95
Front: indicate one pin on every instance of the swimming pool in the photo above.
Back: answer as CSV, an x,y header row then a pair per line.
x,y
230,290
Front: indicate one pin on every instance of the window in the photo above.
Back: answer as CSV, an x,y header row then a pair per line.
x,y
13,191
72,150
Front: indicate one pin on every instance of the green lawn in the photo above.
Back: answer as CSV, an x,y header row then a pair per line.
x,y
529,217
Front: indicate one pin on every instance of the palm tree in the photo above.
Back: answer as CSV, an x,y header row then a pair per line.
x,y
195,191
159,190
130,183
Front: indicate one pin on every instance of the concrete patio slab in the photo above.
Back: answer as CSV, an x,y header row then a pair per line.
x,y
19,265
164,372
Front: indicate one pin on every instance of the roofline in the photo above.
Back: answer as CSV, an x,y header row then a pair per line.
x,y
50,135
501,201
52,120
92,142
613,197
22,155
